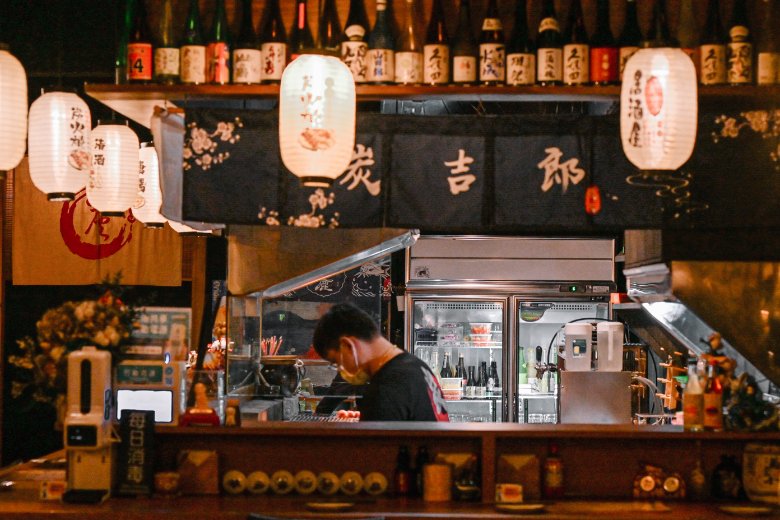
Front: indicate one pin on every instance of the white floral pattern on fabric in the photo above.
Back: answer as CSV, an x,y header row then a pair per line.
x,y
318,201
764,122
200,146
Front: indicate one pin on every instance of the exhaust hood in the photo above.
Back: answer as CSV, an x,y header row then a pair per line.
x,y
741,300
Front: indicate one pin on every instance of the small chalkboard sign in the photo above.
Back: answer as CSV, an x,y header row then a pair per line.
x,y
135,471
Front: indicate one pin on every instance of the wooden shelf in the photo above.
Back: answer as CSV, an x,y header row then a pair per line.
x,y
138,101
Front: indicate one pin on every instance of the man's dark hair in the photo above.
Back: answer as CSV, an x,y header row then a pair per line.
x,y
343,319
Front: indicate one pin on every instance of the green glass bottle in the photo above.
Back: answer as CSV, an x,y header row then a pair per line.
x,y
192,50
166,54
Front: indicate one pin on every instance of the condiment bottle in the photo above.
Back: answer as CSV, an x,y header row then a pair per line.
x,y
713,399
403,472
552,473
693,401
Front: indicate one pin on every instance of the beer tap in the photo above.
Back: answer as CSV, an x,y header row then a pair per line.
x,y
542,369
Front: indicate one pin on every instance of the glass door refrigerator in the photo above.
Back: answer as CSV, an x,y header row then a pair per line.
x,y
477,308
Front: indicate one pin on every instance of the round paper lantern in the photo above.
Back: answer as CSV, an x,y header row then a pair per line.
x,y
59,145
13,110
113,182
147,204
658,109
185,230
317,118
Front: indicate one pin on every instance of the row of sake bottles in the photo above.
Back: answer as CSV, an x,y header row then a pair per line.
x,y
388,54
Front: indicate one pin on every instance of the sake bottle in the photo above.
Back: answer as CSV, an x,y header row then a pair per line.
x,y
218,47
712,49
576,50
381,45
192,50
301,39
123,37
139,47
520,52
354,44
166,53
492,50
659,35
436,51
408,51
687,30
604,53
464,48
768,46
273,43
739,49
329,30
549,53
630,36
247,57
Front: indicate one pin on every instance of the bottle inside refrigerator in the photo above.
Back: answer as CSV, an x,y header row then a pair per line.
x,y
465,333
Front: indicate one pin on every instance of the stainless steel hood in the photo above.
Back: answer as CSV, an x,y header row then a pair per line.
x,y
741,300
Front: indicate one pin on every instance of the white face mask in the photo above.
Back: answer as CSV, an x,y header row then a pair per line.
x,y
359,376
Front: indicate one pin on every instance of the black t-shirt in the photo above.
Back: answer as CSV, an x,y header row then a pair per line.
x,y
404,389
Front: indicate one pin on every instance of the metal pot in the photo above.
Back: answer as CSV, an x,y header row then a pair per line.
x,y
285,372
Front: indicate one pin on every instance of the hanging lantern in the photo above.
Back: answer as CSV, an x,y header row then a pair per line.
x,y
147,205
113,182
592,200
60,124
317,118
658,109
185,230
13,110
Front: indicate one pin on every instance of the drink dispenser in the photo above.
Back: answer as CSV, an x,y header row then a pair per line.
x,y
578,346
609,335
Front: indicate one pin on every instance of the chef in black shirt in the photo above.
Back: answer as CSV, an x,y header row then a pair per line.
x,y
398,385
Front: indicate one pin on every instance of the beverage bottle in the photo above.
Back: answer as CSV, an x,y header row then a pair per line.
x,y
494,376
481,380
301,39
630,36
420,461
490,383
139,47
436,51
446,370
435,363
460,370
218,47
768,46
329,30
192,49
166,53
659,35
712,50
381,56
713,399
464,48
575,49
520,52
354,44
604,52
120,58
247,57
693,401
273,43
492,51
688,31
471,384
522,367
408,51
549,52
739,49
403,472
552,473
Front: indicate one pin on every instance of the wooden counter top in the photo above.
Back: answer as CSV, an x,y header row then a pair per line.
x,y
23,504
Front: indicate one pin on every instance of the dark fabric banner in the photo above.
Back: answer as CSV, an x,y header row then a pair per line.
x,y
484,173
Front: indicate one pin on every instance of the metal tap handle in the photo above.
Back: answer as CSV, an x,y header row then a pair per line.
x,y
538,354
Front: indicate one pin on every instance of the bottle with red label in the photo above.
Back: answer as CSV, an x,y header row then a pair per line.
x,y
218,48
301,38
139,48
552,473
713,399
604,52
403,472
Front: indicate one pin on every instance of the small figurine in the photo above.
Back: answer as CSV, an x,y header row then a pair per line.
x,y
201,414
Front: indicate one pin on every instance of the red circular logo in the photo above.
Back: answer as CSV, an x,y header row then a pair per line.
x,y
90,235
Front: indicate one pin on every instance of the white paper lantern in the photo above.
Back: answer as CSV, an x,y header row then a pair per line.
x,y
184,229
149,200
658,109
113,182
317,118
13,110
59,145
